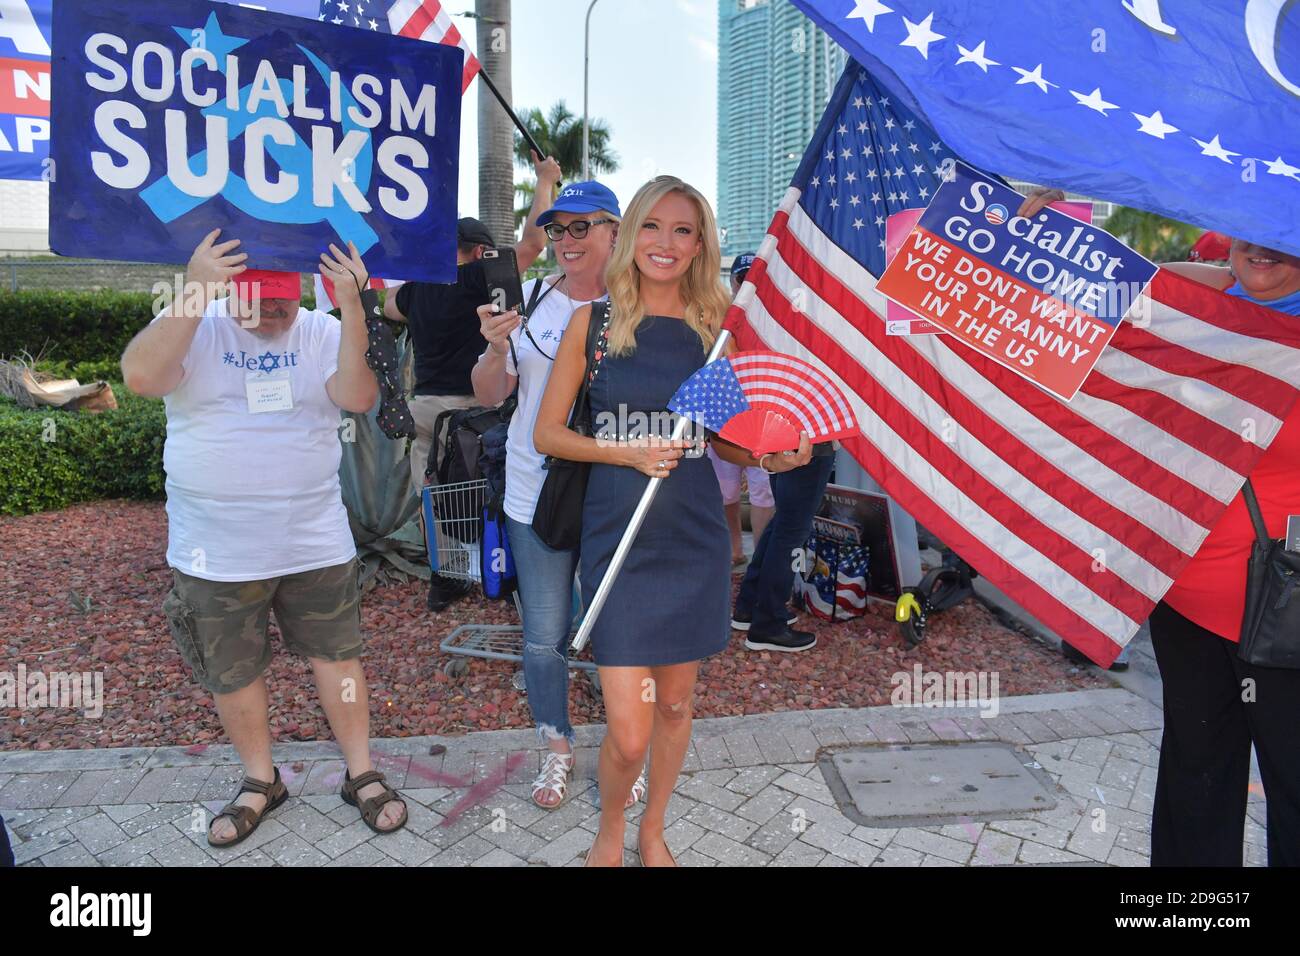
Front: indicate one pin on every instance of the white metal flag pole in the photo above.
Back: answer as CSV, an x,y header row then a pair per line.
x,y
634,526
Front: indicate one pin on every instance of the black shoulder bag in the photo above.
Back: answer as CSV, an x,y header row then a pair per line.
x,y
558,518
1270,627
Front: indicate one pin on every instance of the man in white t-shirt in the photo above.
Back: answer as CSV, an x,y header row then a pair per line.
x,y
253,385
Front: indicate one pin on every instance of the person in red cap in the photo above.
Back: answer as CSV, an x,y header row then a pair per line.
x,y
253,385
1212,247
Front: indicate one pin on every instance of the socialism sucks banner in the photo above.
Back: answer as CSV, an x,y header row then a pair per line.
x,y
287,134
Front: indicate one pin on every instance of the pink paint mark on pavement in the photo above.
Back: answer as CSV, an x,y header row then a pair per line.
x,y
484,788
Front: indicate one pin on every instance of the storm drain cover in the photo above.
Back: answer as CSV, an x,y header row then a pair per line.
x,y
929,785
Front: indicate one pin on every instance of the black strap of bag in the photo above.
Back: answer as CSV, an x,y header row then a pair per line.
x,y
535,299
1256,516
1270,625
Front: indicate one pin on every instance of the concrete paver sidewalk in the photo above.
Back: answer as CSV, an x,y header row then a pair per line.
x,y
751,794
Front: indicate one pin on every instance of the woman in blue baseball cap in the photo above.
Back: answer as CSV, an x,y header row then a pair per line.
x,y
582,227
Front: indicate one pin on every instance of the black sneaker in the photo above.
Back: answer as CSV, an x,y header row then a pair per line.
x,y
444,591
741,622
786,640
1076,656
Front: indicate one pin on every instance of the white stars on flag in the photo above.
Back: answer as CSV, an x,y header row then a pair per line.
x,y
976,56
867,11
920,35
1279,167
1094,101
1034,76
1154,125
1215,148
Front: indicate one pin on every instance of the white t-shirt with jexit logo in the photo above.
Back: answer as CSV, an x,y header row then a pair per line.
x,y
524,474
252,454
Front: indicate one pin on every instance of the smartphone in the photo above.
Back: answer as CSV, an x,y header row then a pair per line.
x,y
502,272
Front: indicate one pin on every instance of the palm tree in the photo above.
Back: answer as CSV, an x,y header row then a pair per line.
x,y
559,132
495,170
1156,237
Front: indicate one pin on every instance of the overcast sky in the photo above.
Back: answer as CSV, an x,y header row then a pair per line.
x,y
654,68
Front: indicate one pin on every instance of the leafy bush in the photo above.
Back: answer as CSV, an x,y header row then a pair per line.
x,y
103,370
69,328
72,326
51,459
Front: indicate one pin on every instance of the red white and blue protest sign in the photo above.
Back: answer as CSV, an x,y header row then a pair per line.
x,y
1042,296
24,88
285,133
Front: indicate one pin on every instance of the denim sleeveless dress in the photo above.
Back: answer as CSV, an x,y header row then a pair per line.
x,y
671,602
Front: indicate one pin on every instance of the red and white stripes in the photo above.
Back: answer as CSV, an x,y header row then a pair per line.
x,y
427,20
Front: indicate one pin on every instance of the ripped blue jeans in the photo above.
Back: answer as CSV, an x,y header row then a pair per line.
x,y
546,592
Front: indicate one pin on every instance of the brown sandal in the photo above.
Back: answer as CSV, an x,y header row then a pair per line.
x,y
246,819
370,807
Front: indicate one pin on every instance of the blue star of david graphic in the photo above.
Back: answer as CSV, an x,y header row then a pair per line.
x,y
268,362
169,203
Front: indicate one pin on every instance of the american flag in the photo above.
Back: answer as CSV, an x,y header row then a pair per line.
x,y
417,19
846,594
1085,513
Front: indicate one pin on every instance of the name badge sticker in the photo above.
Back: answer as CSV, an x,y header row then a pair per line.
x,y
269,392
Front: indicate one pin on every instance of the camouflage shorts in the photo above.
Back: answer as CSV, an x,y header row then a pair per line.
x,y
220,626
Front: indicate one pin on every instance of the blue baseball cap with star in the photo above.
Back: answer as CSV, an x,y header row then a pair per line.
x,y
740,265
590,196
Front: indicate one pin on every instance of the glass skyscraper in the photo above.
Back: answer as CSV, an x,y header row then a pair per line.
x,y
776,71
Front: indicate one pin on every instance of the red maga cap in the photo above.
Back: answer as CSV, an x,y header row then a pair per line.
x,y
1211,247
263,284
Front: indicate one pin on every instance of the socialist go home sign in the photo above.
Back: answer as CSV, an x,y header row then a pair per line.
x,y
172,118
1042,296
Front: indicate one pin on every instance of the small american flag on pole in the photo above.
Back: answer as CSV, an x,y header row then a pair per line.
x,y
416,19
1084,512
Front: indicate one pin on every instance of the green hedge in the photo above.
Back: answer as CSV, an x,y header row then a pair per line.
x,y
68,328
50,459
71,327
104,370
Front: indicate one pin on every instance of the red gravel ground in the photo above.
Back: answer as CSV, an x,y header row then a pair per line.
x,y
112,553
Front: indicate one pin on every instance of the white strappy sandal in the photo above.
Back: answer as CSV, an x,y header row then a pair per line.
x,y
557,768
638,791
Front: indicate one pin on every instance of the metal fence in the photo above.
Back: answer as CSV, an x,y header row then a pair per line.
x,y
19,272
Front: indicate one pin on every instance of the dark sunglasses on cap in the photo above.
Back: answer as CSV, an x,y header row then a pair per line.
x,y
578,228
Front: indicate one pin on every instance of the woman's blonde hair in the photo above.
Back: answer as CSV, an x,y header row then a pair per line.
x,y
705,299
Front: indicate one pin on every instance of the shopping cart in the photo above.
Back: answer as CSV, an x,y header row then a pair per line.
x,y
453,523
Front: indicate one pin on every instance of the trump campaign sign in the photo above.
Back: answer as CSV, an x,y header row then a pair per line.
x,y
24,88
1042,296
175,117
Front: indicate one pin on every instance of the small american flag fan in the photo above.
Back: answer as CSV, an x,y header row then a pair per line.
x,y
761,400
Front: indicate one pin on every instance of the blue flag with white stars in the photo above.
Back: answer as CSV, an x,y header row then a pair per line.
x,y
1189,110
